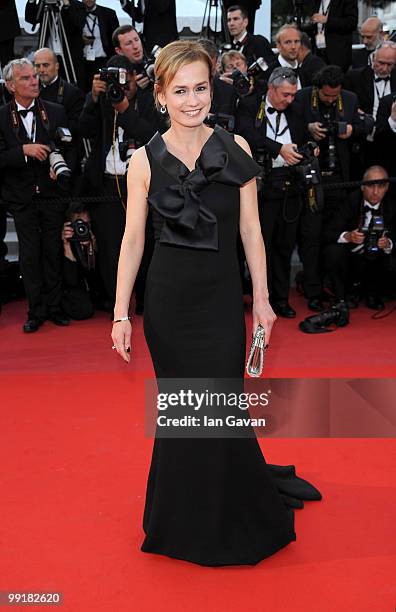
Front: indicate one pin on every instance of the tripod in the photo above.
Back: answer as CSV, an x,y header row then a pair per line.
x,y
52,24
206,31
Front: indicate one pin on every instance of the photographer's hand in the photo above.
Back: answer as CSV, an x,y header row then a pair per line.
x,y
98,87
347,134
384,243
317,130
226,77
354,236
52,174
290,155
36,150
319,18
142,81
67,233
393,111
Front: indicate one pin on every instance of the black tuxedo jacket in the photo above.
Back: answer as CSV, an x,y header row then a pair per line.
x,y
159,21
302,75
257,137
385,138
361,82
20,177
348,217
96,122
257,46
350,115
360,58
342,21
68,96
224,97
9,22
309,67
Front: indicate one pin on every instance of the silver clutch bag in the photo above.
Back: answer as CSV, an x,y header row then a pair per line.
x,y
255,362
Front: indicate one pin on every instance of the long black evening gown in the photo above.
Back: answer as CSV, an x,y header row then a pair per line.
x,y
209,501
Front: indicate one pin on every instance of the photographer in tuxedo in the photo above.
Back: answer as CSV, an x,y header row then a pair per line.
x,y
331,29
118,125
274,129
372,83
288,43
359,241
252,46
372,37
29,133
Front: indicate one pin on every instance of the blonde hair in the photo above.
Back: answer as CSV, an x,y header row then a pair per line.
x,y
174,56
229,56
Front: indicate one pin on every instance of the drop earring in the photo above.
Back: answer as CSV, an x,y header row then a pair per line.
x,y
163,109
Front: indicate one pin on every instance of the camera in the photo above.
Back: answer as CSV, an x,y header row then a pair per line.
x,y
368,122
227,122
81,231
56,159
146,68
337,315
308,169
242,81
116,81
374,231
336,128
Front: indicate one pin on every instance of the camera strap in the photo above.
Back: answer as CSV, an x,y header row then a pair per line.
x,y
16,121
61,92
90,22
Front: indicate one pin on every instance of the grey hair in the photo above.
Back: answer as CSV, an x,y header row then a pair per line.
x,y
8,70
282,75
47,50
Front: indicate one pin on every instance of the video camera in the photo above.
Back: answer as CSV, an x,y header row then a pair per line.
x,y
116,81
227,122
146,68
242,81
56,159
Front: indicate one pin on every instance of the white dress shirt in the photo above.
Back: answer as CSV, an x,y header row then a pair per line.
x,y
283,137
93,30
366,222
293,65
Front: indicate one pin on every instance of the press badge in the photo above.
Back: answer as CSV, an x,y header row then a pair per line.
x,y
90,54
320,40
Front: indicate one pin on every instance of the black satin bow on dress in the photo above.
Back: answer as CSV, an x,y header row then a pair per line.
x,y
187,220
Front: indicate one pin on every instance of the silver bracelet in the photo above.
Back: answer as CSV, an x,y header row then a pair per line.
x,y
122,319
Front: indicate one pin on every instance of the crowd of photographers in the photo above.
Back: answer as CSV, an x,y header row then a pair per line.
x,y
311,125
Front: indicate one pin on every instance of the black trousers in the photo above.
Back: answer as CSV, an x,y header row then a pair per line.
x,y
310,235
77,304
6,51
39,228
345,267
279,213
108,224
3,231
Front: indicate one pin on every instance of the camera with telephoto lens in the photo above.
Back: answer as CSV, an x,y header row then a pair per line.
x,y
146,68
81,231
56,159
242,81
227,122
337,315
372,233
116,81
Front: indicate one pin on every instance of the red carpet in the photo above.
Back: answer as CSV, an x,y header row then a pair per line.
x,y
74,465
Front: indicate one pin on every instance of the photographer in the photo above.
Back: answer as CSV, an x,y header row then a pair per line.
x,y
372,35
359,240
274,130
128,43
331,116
35,169
251,45
224,96
245,79
80,283
113,115
288,42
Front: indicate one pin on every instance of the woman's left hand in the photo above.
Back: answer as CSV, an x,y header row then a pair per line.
x,y
263,314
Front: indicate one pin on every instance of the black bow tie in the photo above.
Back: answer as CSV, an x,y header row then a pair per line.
x,y
379,79
236,45
272,110
368,208
25,111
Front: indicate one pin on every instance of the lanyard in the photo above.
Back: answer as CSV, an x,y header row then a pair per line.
x,y
32,136
93,20
322,8
275,131
383,91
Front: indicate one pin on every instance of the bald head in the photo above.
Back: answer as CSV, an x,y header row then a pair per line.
x,y
46,65
384,60
371,33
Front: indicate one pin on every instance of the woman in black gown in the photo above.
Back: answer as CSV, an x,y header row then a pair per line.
x,y
209,501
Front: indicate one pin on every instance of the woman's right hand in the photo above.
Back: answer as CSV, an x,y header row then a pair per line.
x,y
121,336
